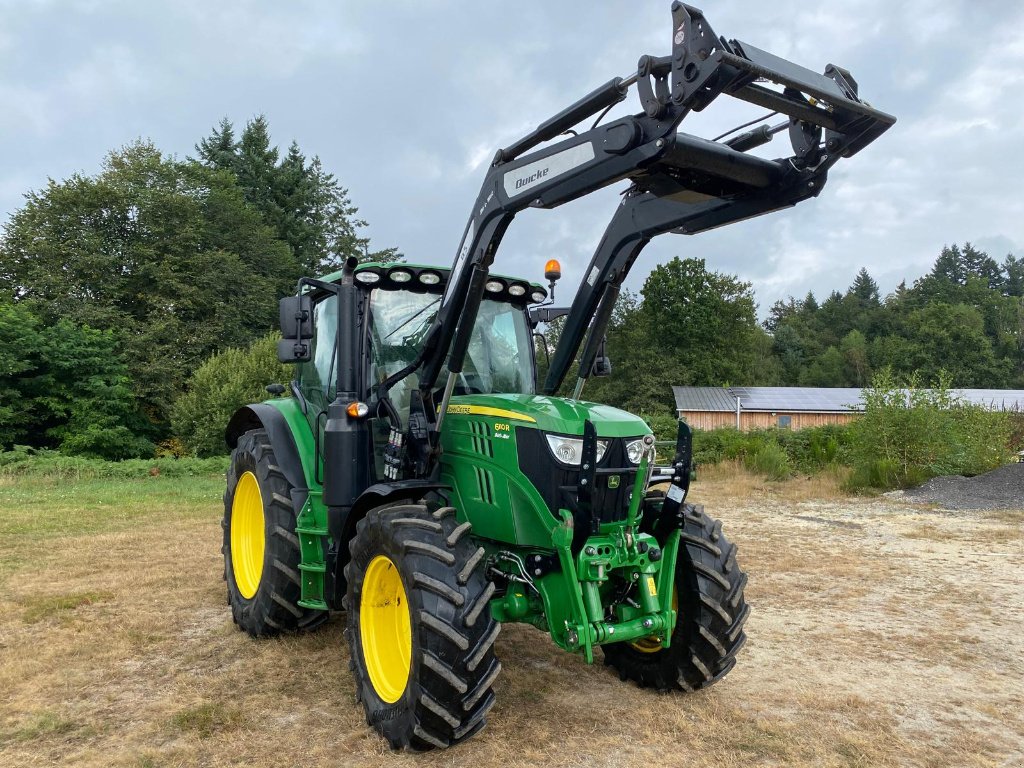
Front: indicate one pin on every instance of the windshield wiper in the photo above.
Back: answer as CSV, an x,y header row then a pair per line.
x,y
412,317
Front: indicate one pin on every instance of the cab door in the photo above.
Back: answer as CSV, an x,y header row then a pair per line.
x,y
318,378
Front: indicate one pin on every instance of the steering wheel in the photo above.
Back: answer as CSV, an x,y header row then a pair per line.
x,y
468,387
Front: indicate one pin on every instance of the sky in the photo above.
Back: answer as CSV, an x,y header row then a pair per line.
x,y
406,102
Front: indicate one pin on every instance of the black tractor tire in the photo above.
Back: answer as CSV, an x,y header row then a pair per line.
x,y
453,666
711,612
273,607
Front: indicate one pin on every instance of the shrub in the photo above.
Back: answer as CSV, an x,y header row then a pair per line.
x,y
65,386
32,462
908,434
225,382
769,460
808,450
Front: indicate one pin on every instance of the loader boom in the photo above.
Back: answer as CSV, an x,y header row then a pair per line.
x,y
679,182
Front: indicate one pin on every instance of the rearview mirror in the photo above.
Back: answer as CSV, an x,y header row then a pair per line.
x,y
296,317
602,367
293,351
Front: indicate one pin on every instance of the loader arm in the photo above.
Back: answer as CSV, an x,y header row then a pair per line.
x,y
681,181
650,207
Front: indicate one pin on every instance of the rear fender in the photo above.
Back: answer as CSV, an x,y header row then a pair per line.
x,y
281,430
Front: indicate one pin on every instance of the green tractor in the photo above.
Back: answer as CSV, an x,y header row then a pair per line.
x,y
419,476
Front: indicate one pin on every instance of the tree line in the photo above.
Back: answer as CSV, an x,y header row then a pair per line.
x,y
964,320
115,287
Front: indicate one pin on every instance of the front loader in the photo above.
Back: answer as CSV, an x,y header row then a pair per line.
x,y
419,478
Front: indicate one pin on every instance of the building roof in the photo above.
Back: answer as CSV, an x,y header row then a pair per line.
x,y
816,399
704,399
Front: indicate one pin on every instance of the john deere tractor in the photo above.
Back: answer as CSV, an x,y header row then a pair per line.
x,y
422,480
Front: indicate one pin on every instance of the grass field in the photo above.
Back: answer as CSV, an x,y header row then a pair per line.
x,y
882,634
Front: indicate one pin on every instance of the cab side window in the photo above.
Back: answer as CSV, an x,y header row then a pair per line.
x,y
317,378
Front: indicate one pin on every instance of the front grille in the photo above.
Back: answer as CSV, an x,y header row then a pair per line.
x,y
558,485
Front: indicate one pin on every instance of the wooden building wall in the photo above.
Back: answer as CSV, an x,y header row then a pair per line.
x,y
757,420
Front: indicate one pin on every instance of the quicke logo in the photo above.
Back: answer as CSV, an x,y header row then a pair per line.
x,y
536,176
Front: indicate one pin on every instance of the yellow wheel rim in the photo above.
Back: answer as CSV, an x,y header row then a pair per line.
x,y
653,644
385,629
248,538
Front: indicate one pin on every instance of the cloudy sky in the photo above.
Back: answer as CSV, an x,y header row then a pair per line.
x,y
406,102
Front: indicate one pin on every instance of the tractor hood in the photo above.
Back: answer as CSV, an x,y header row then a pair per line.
x,y
551,414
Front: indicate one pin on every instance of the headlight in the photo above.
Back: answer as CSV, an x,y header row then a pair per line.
x,y
569,450
635,449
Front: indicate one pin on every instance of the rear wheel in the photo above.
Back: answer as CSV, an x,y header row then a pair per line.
x,y
261,550
711,612
420,630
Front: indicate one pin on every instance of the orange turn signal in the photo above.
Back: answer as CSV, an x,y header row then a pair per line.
x,y
357,410
552,270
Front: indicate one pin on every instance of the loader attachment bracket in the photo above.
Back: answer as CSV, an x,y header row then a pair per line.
x,y
671,517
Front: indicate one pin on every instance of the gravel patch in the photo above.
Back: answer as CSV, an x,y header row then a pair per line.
x,y
1001,488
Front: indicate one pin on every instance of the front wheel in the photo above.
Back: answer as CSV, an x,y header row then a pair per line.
x,y
711,612
420,631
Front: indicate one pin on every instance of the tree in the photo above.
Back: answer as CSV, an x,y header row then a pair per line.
x,y
1013,269
693,327
788,348
165,255
825,371
64,386
220,150
854,349
304,204
865,290
952,338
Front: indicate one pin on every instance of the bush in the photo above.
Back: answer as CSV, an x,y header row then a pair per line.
x,y
769,460
65,386
807,450
32,462
908,434
225,382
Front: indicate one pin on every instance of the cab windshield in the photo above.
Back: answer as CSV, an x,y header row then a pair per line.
x,y
499,357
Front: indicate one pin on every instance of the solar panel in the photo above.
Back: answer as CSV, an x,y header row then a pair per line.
x,y
817,399
799,398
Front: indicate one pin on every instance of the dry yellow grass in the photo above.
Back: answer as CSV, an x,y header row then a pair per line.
x,y
870,645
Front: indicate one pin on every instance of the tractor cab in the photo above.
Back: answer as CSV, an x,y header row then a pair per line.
x,y
396,308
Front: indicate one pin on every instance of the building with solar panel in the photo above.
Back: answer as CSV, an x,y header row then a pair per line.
x,y
748,408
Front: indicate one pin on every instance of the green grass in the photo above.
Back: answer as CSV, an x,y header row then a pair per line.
x,y
39,510
56,606
36,507
39,725
207,719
